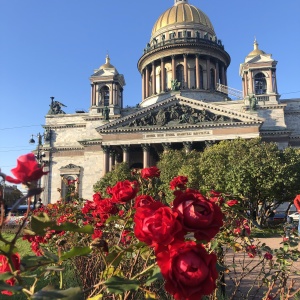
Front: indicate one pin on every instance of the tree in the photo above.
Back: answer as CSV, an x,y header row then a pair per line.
x,y
119,173
255,170
173,163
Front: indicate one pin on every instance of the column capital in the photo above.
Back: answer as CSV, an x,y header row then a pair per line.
x,y
166,146
188,146
111,152
105,148
145,147
125,148
209,143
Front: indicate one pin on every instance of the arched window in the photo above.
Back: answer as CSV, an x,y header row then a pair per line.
x,y
260,84
212,79
104,96
69,187
179,75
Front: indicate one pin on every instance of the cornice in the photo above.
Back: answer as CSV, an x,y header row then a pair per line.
x,y
295,137
99,118
179,127
61,149
61,126
271,106
276,132
90,142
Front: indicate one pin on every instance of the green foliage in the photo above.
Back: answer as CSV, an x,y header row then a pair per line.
x,y
120,172
255,170
174,163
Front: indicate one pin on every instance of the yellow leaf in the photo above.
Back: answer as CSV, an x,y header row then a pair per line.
x,y
149,295
98,297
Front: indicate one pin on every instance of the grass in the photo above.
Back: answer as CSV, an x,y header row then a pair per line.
x,y
43,280
267,232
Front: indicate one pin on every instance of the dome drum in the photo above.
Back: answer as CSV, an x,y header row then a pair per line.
x,y
205,48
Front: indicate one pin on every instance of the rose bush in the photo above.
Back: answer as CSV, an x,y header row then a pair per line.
x,y
129,241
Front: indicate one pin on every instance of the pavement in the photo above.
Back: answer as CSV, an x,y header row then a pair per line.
x,y
245,276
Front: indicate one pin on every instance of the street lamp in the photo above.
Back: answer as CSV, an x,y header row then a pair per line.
x,y
39,156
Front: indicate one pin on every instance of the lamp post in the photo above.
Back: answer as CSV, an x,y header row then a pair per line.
x,y
39,156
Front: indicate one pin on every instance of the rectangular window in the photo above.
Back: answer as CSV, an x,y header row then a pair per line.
x,y
189,34
179,34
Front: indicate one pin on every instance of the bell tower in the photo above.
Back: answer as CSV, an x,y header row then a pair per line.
x,y
107,90
258,74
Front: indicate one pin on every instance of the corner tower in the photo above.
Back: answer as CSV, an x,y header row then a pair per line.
x,y
107,89
258,74
183,54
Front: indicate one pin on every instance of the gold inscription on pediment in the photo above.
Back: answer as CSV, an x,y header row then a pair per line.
x,y
178,134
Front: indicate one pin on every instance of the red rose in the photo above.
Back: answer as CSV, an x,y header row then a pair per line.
x,y
126,237
97,234
27,170
124,191
242,227
156,224
216,197
268,256
251,251
178,182
4,267
197,214
232,202
190,272
143,200
150,172
97,197
106,206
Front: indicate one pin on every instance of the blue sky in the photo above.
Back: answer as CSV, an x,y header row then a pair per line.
x,y
50,48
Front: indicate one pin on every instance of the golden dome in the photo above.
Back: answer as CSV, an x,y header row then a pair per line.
x,y
256,51
107,64
182,13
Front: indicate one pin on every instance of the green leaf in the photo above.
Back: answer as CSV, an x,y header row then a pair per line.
x,y
115,256
30,262
112,218
118,285
214,244
156,275
41,222
6,275
76,251
4,286
69,294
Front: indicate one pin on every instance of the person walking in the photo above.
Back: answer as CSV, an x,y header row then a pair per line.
x,y
297,205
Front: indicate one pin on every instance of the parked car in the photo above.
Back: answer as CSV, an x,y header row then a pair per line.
x,y
294,216
277,218
17,216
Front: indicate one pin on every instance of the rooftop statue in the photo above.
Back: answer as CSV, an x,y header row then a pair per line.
x,y
55,107
175,85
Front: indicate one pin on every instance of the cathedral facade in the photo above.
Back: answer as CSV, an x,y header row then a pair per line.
x,y
186,103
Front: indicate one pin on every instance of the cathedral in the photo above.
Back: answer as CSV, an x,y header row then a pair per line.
x,y
185,104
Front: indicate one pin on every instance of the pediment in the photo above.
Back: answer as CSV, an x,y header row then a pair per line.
x,y
178,113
